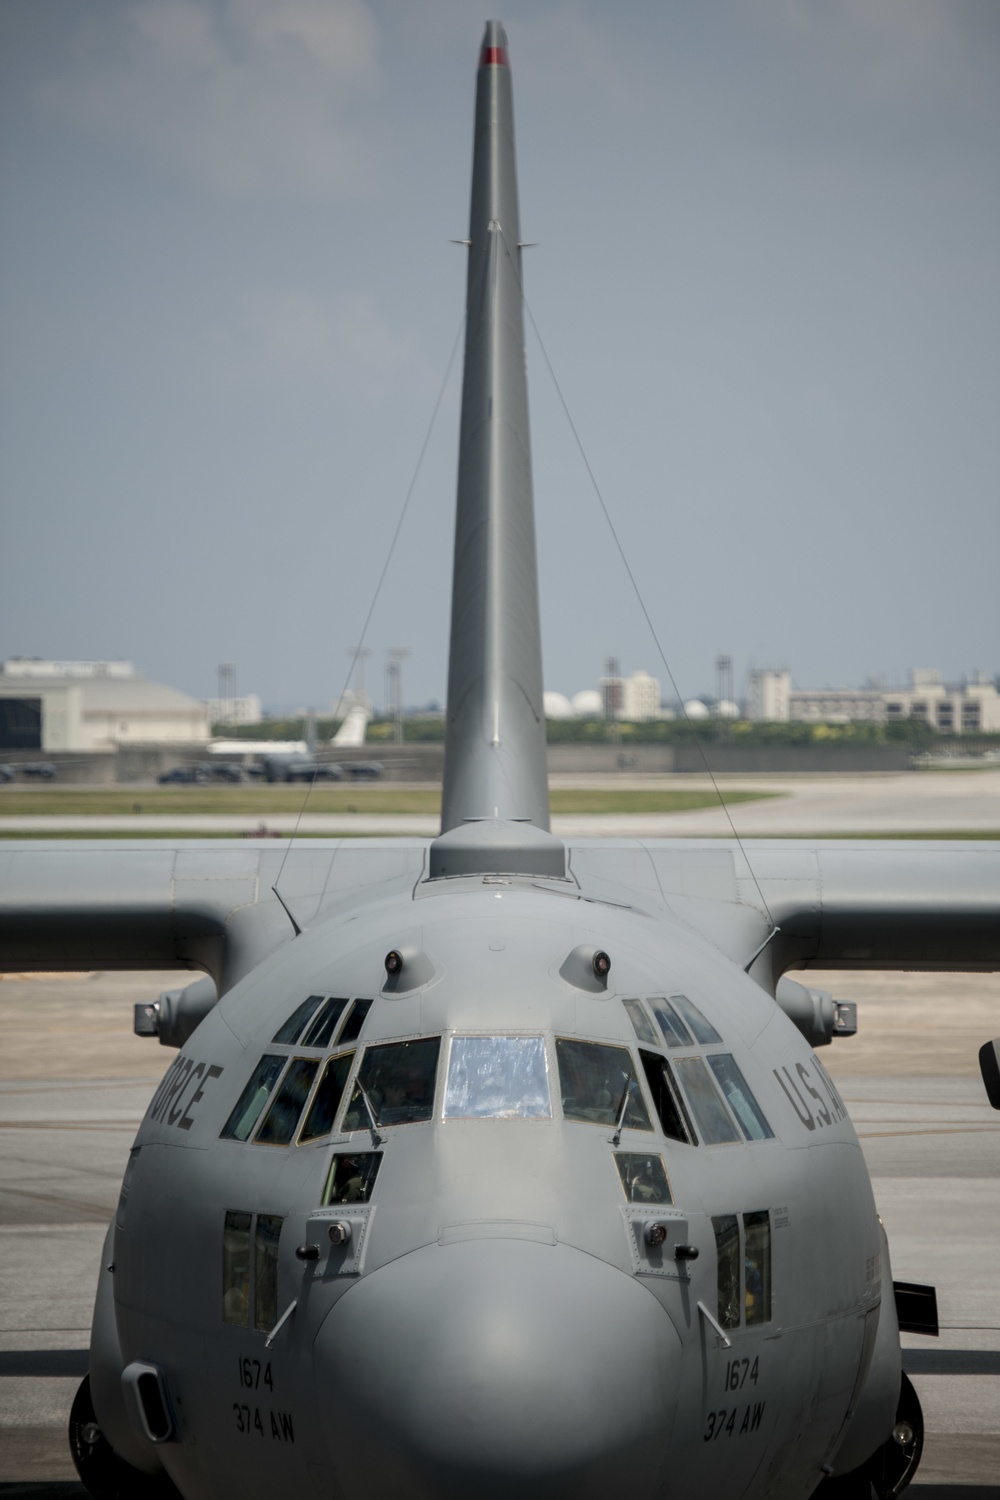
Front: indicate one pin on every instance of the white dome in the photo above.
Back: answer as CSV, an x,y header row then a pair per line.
x,y
589,704
727,709
557,706
695,709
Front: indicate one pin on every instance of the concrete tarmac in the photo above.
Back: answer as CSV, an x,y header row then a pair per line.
x,y
74,1083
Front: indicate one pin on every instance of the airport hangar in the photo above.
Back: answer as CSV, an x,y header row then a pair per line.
x,y
95,706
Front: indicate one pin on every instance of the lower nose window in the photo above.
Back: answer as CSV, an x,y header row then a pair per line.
x,y
352,1177
643,1177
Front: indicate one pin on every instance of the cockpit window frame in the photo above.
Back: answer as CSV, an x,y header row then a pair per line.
x,y
635,1085
686,1068
314,1062
343,1128
327,1063
225,1133
349,1012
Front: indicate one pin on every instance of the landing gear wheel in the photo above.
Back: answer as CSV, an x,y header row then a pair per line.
x,y
891,1467
895,1463
102,1472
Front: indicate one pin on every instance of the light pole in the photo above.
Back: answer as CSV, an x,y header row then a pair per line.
x,y
394,658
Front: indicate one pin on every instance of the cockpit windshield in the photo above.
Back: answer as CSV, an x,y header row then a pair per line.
x,y
497,1078
399,1079
594,1078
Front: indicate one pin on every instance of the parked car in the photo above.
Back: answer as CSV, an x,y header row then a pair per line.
x,y
6,774
44,769
366,770
183,776
222,770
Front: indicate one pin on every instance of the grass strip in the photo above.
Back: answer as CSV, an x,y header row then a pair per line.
x,y
264,801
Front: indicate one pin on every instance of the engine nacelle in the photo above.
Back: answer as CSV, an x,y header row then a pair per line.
x,y
176,1014
816,1013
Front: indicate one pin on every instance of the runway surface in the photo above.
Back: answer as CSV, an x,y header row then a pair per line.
x,y
933,802
74,1083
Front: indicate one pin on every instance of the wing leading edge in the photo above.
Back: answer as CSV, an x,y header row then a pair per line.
x,y
210,906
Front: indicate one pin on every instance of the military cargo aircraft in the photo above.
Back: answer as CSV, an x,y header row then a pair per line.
x,y
310,765
495,1166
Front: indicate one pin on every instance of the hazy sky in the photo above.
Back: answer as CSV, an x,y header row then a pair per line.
x,y
768,279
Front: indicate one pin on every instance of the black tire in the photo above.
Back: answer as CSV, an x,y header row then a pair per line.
x,y
894,1465
891,1467
102,1472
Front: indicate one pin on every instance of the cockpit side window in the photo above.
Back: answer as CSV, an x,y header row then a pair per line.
x,y
744,1106
497,1078
593,1078
675,1033
641,1024
399,1079
711,1115
666,1098
250,1247
702,1029
236,1268
643,1177
253,1098
292,1029
355,1021
757,1266
283,1115
326,1100
727,1253
265,1271
324,1024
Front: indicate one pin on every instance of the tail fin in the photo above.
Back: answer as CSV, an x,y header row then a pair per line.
x,y
495,769
352,730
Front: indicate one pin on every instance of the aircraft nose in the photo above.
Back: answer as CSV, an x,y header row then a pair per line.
x,y
496,1368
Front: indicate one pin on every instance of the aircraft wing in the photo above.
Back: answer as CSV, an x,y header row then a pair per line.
x,y
160,903
840,904
868,904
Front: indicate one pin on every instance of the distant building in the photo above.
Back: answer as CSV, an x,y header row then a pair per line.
x,y
247,709
767,698
964,710
92,705
837,705
557,706
588,704
634,698
640,697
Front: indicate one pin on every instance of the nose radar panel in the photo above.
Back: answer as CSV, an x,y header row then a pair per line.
x,y
497,1367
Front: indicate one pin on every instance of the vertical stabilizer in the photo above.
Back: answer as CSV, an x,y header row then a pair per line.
x,y
494,765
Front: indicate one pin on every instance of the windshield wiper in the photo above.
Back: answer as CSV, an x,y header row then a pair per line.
x,y
622,1108
373,1120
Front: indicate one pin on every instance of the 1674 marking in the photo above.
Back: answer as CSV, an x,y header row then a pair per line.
x,y
739,1371
253,1374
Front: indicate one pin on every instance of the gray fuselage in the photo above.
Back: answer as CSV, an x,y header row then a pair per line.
x,y
497,1321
